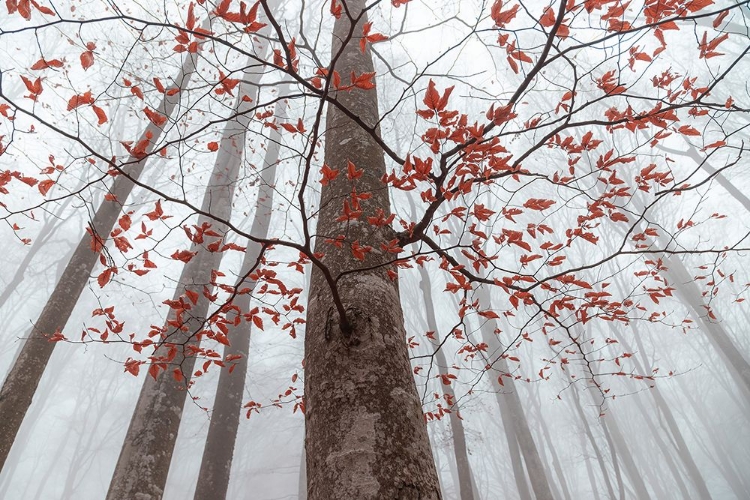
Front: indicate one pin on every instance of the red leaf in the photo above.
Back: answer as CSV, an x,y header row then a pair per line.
x,y
133,366
45,186
80,100
184,255
156,118
258,322
213,146
538,204
104,277
329,174
363,81
43,64
44,10
87,59
352,172
100,114
688,130
34,87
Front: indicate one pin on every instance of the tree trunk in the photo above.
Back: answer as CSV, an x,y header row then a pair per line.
x,y
216,464
717,335
365,432
21,383
592,441
461,454
627,458
556,463
514,409
663,407
142,468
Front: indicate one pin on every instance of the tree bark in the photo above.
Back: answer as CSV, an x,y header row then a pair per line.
x,y
142,468
20,385
365,432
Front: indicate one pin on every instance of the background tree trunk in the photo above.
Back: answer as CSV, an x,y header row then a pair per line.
x,y
365,431
461,454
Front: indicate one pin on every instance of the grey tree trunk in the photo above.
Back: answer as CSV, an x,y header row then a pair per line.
x,y
556,463
365,432
142,468
636,479
20,385
717,335
461,454
514,410
663,407
216,464
592,441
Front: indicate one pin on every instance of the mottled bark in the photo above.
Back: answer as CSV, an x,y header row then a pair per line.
x,y
365,431
461,454
142,468
21,383
216,464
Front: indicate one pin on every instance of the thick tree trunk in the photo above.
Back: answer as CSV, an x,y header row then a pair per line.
x,y
461,454
142,468
21,383
365,432
216,464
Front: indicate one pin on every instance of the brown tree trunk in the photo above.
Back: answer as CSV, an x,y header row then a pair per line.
x,y
365,432
21,383
142,468
216,464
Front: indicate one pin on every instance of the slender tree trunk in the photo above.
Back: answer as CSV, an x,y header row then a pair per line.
x,y
556,464
590,471
516,461
615,460
465,479
724,465
21,383
627,458
683,452
514,410
717,335
592,441
145,457
216,464
42,239
365,432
